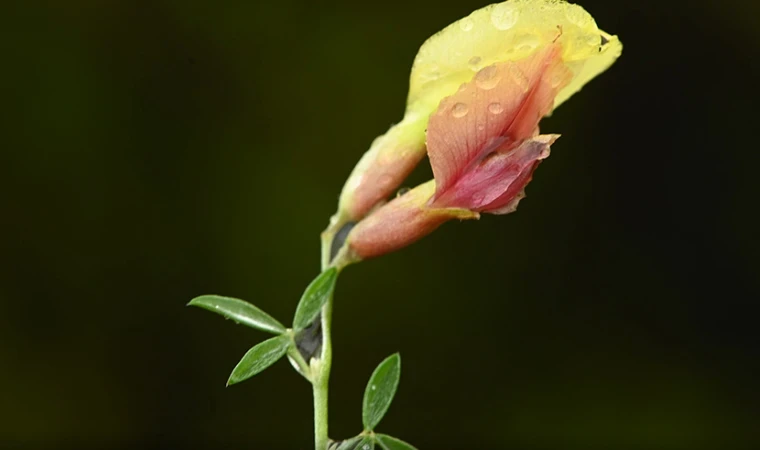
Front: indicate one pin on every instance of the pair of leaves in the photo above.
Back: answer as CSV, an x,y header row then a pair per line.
x,y
266,353
378,396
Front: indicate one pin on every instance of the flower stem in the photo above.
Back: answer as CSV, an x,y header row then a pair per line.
x,y
321,369
321,381
334,254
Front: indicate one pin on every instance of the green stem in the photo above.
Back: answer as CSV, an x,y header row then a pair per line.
x,y
321,381
321,368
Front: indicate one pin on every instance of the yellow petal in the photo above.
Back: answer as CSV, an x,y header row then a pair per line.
x,y
509,31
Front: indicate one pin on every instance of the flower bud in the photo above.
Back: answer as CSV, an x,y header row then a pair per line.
x,y
382,169
400,222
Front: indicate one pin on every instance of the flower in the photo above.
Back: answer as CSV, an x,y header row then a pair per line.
x,y
502,32
483,145
479,88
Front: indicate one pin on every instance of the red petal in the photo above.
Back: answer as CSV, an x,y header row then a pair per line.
x,y
495,111
496,183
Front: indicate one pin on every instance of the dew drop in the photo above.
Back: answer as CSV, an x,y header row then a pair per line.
x,y
557,78
504,16
432,72
385,179
495,108
365,447
592,40
459,110
526,43
374,387
487,78
475,62
519,77
466,24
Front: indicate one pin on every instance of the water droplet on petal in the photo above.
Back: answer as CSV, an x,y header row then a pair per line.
x,y
526,42
475,62
432,72
495,108
466,24
557,79
519,77
459,110
487,78
385,180
592,40
504,16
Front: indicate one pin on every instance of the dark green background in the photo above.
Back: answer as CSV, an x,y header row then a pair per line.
x,y
153,151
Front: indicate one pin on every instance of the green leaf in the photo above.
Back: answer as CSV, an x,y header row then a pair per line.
x,y
259,358
314,298
391,443
239,311
348,444
380,391
355,443
366,443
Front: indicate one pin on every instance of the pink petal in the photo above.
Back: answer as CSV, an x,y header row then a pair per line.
x,y
496,183
400,222
495,111
386,172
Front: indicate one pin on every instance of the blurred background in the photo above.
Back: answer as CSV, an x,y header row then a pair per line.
x,y
153,151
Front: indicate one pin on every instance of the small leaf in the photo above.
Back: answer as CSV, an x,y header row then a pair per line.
x,y
380,391
314,298
346,444
355,443
259,358
239,311
365,444
391,443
